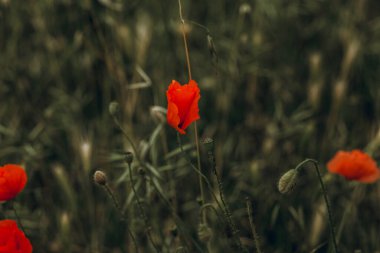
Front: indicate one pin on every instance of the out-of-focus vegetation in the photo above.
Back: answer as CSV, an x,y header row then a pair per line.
x,y
280,81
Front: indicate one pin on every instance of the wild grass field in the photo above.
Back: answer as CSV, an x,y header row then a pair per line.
x,y
83,88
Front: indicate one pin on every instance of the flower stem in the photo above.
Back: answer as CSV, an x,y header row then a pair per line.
x,y
117,206
253,228
226,209
17,217
208,184
324,192
185,40
199,168
142,211
195,123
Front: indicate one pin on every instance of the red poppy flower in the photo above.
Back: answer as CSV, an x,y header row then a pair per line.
x,y
12,239
354,165
12,181
182,105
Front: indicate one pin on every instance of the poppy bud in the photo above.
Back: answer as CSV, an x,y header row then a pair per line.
x,y
100,177
288,181
141,171
245,9
204,232
181,249
128,157
199,200
174,231
114,108
209,144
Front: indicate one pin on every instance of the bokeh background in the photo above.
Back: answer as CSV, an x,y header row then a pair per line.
x,y
281,81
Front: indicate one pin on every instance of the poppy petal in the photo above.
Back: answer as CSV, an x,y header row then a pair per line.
x,y
193,112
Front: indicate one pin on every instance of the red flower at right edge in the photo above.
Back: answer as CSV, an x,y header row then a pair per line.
x,y
12,181
12,239
355,165
182,105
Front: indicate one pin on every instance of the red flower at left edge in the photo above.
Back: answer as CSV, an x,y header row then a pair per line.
x,y
182,104
12,181
12,239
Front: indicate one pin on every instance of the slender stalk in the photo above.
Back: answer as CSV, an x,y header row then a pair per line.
x,y
226,209
210,206
199,173
252,224
118,208
142,211
185,40
195,123
117,122
177,219
324,192
199,167
18,218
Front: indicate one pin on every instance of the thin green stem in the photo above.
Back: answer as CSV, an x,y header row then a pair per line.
x,y
118,208
137,155
199,25
252,224
177,219
226,209
199,168
18,217
199,173
210,206
324,192
142,211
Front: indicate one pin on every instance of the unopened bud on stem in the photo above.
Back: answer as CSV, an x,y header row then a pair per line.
x,y
114,108
288,181
128,157
100,177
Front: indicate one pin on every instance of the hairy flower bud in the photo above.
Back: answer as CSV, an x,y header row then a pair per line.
x,y
128,157
204,232
100,177
208,144
288,181
114,108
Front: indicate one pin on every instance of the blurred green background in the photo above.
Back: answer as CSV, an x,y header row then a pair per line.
x,y
280,81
